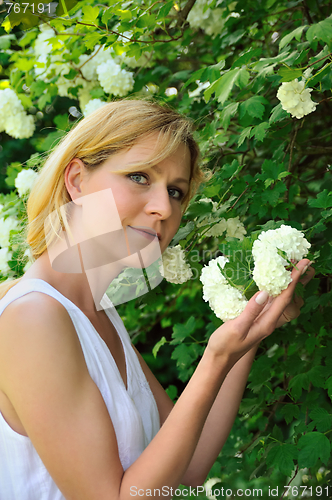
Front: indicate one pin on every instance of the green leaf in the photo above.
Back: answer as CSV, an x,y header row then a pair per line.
x,y
61,121
323,200
165,10
259,132
289,74
244,135
180,331
223,86
5,41
278,114
322,31
245,58
293,34
297,383
282,458
254,106
313,446
290,412
91,40
227,113
322,419
107,14
90,13
243,78
158,345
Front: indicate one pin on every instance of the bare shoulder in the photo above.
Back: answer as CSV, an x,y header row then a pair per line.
x,y
35,326
44,375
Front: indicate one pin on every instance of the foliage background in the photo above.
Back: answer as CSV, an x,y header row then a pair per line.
x,y
221,64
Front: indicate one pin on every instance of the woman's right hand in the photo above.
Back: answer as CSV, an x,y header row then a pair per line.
x,y
258,320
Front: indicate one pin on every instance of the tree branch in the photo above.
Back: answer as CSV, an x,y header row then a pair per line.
x,y
183,14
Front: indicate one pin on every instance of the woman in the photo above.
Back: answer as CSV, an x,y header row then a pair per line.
x,y
82,416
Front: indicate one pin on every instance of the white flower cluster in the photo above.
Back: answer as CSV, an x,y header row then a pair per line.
x,y
13,118
25,180
269,272
232,227
210,20
6,225
113,79
226,301
5,257
92,106
101,67
174,267
296,99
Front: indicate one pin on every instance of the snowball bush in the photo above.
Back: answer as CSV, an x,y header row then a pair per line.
x,y
295,99
270,273
174,267
13,118
226,301
25,180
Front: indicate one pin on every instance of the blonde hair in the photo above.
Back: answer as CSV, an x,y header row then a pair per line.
x,y
114,127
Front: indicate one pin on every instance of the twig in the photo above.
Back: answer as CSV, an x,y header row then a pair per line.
x,y
183,14
306,11
243,192
318,60
285,490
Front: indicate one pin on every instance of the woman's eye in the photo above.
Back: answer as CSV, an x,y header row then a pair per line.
x,y
132,176
179,193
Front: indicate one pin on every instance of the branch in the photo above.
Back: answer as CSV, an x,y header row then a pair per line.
x,y
306,11
183,14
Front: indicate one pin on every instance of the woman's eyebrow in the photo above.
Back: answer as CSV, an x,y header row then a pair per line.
x,y
178,179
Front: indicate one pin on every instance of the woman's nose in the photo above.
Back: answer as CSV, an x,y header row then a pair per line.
x,y
159,203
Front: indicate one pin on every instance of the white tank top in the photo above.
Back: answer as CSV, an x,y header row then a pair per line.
x,y
133,411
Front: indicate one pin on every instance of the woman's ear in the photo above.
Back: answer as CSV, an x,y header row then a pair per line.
x,y
74,174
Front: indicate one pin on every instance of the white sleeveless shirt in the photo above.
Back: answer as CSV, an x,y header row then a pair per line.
x,y
133,411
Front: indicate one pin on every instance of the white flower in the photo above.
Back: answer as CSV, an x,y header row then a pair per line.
x,y
113,79
295,99
269,272
25,180
20,126
174,267
13,118
210,20
97,57
208,485
235,228
226,301
84,95
5,256
6,225
93,105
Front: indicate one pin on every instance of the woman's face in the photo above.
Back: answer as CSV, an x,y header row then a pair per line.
x,y
150,200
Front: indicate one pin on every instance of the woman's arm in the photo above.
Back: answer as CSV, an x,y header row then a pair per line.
x,y
44,375
225,407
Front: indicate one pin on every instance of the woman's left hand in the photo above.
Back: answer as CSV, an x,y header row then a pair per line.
x,y
293,309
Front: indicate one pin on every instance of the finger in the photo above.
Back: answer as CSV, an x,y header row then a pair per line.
x,y
252,310
270,319
307,275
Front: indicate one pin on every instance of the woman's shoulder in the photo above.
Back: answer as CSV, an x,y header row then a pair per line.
x,y
32,325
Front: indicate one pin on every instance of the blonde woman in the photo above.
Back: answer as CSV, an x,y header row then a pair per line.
x,y
82,416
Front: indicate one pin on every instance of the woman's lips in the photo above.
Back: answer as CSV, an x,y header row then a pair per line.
x,y
146,235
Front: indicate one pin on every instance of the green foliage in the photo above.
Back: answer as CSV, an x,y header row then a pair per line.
x,y
268,169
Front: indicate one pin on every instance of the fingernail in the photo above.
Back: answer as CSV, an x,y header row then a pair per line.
x,y
305,269
262,297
